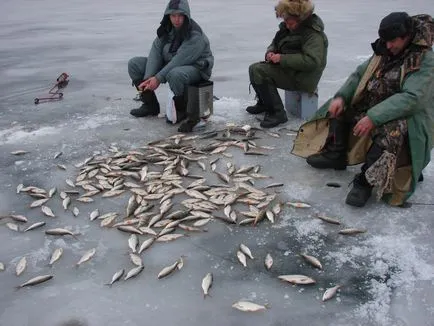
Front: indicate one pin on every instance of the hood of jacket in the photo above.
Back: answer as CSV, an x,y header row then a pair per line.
x,y
173,7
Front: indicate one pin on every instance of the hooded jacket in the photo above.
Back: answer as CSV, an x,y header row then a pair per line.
x,y
185,46
414,103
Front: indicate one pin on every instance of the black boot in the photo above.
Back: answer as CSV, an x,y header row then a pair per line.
x,y
360,193
193,117
181,108
334,155
275,113
259,107
150,106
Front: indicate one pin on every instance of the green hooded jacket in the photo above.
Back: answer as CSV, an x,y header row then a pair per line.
x,y
303,50
174,48
415,103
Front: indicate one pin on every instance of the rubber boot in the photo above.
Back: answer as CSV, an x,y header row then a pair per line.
x,y
362,190
334,154
360,193
150,106
193,118
275,113
181,108
259,107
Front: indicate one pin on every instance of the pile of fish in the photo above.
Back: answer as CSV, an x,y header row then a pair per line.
x,y
166,199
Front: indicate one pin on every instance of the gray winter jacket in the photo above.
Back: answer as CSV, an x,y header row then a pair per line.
x,y
173,48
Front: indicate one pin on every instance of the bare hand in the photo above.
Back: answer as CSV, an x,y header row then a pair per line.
x,y
336,107
150,84
363,127
268,56
275,58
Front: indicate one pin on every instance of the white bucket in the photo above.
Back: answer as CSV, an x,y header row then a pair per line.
x,y
170,107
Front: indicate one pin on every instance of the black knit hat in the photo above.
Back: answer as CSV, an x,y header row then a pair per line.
x,y
396,24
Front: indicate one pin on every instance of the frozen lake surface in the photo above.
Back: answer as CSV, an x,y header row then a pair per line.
x,y
387,273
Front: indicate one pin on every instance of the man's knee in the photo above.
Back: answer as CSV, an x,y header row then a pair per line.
x,y
136,67
258,72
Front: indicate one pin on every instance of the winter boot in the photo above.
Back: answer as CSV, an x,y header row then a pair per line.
x,y
259,107
334,155
275,113
150,106
193,118
360,193
181,108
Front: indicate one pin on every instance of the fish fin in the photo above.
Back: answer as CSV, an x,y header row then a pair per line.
x,y
108,284
16,288
267,306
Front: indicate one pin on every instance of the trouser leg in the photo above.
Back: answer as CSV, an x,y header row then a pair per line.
x,y
136,69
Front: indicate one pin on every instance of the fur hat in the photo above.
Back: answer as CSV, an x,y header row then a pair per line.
x,y
296,8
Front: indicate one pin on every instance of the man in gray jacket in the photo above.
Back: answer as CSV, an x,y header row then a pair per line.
x,y
180,55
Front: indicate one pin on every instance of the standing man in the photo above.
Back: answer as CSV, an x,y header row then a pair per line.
x,y
180,55
382,115
294,61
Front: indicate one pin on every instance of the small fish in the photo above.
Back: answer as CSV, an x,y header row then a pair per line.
x,y
70,183
116,277
297,279
268,261
86,257
108,221
136,259
146,244
298,204
19,188
133,242
2,267
274,185
85,199
312,260
47,211
330,292
61,166
351,231
134,272
328,219
51,192
129,229
247,306
201,222
246,250
39,202
168,270
75,211
112,193
19,152
63,195
242,258
13,227
94,214
60,232
21,266
34,226
270,215
36,280
57,154
169,237
206,284
55,256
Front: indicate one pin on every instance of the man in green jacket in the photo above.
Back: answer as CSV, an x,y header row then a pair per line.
x,y
381,116
180,55
294,61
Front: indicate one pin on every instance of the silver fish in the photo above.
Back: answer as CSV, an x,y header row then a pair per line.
x,y
13,227
47,211
51,192
330,292
21,266
268,261
246,250
39,202
169,237
19,152
134,272
136,259
247,306
94,214
19,188
351,231
328,219
116,277
168,270
70,183
2,267
312,260
297,279
298,204
242,258
129,229
63,195
146,244
60,232
34,226
133,242
206,284
57,154
75,211
36,280
131,206
86,257
55,256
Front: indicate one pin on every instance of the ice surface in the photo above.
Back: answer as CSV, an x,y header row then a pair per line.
x,y
387,274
